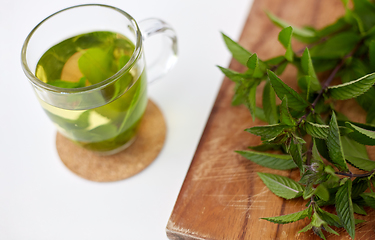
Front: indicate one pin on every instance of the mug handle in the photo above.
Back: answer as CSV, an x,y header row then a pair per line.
x,y
168,56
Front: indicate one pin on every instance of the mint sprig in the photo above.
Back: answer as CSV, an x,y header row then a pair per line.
x,y
306,128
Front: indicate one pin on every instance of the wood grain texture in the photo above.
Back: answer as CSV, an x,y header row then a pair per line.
x,y
222,198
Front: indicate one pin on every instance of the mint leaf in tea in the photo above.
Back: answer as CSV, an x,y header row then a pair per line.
x,y
89,59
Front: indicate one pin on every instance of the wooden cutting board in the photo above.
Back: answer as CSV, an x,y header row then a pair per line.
x,y
222,198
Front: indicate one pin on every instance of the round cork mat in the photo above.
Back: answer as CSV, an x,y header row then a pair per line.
x,y
132,160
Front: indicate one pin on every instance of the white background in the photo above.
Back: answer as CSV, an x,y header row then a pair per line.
x,y
39,197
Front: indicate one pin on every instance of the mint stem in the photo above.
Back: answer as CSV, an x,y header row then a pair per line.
x,y
328,82
350,174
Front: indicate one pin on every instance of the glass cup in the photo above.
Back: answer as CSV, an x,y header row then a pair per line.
x,y
103,111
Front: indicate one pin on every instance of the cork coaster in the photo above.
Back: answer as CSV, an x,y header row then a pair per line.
x,y
132,160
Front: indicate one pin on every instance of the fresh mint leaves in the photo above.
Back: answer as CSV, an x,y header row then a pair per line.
x,y
306,128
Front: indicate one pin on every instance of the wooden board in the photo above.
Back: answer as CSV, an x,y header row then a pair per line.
x,y
222,198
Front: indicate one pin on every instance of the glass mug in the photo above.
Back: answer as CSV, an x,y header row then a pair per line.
x,y
103,110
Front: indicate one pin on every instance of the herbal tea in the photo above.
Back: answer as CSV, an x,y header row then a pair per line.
x,y
85,60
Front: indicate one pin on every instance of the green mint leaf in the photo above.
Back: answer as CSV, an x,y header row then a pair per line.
x,y
330,230
233,75
329,218
285,38
359,186
337,46
307,65
268,131
295,101
359,209
352,89
289,218
335,27
370,117
302,34
321,145
352,147
306,228
361,135
66,84
269,104
253,64
95,64
274,161
308,69
344,207
124,59
238,52
265,147
322,192
241,92
365,12
281,186
295,150
106,131
251,98
259,113
317,130
372,55
361,163
332,219
275,61
309,191
285,116
80,123
315,152
369,199
335,150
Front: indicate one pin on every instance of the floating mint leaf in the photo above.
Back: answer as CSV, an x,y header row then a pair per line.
x,y
372,55
95,64
359,185
365,11
66,84
322,192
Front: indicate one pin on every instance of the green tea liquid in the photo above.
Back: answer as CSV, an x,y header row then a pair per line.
x,y
85,60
